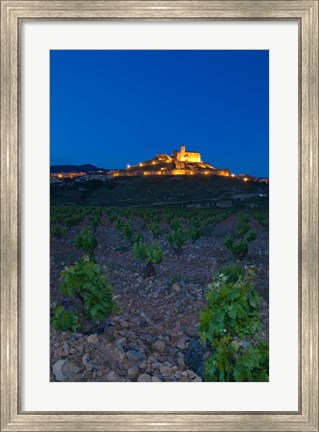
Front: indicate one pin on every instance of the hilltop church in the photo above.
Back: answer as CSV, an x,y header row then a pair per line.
x,y
181,162
187,156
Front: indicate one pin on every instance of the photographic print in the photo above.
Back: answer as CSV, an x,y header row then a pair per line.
x,y
159,215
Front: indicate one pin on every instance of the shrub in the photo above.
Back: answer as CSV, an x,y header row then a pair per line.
x,y
232,314
243,218
231,362
95,219
119,224
232,273
57,231
86,240
250,236
139,250
175,224
137,238
262,217
112,215
244,235
152,253
177,238
238,248
243,226
64,320
86,281
194,232
73,220
127,230
155,228
233,305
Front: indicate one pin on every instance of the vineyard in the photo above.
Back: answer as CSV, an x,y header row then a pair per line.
x,y
159,294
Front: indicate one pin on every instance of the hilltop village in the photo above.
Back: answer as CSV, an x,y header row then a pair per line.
x,y
179,163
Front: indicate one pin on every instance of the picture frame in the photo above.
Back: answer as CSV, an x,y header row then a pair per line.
x,y
12,14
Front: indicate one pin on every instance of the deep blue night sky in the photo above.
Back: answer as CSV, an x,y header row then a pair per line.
x,y
113,108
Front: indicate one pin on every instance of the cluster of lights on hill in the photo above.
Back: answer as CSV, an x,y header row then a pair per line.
x,y
179,163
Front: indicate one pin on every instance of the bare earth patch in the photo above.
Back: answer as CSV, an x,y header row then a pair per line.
x,y
154,337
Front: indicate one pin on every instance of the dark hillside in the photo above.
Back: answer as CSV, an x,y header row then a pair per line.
x,y
168,191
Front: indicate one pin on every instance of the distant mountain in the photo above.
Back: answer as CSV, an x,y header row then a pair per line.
x,y
73,168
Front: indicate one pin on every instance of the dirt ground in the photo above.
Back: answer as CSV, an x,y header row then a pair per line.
x,y
154,337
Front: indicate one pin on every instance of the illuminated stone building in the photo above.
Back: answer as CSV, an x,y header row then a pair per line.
x,y
181,162
187,156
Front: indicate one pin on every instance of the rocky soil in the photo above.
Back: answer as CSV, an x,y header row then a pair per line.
x,y
154,337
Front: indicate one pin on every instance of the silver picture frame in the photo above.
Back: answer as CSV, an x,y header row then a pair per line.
x,y
13,13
